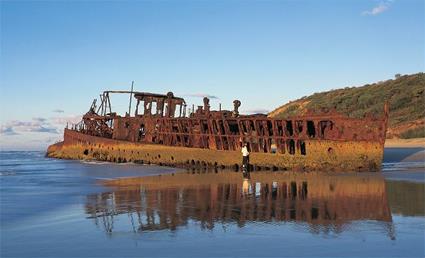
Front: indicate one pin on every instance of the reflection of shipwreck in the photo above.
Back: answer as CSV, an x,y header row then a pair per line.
x,y
169,201
161,131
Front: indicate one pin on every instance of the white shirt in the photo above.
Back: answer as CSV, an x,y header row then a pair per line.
x,y
244,151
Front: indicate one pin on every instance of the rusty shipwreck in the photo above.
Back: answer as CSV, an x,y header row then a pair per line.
x,y
161,129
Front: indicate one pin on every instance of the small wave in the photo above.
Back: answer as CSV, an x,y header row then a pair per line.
x,y
7,173
403,166
11,164
94,162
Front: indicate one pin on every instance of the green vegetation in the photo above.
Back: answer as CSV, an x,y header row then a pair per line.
x,y
405,95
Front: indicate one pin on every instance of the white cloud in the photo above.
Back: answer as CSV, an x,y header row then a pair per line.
x,y
39,119
53,125
36,125
380,8
7,130
63,120
43,129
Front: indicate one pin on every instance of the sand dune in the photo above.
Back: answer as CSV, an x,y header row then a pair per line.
x,y
405,143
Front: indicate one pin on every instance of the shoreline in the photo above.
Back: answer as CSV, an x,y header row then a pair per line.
x,y
405,143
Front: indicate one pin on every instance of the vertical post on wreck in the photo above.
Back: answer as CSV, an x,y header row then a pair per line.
x,y
101,104
184,110
109,102
131,94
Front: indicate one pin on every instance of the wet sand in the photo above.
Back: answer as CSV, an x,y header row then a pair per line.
x,y
404,164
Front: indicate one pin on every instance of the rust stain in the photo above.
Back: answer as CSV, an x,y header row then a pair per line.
x,y
163,131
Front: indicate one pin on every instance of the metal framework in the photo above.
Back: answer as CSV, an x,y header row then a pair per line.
x,y
163,119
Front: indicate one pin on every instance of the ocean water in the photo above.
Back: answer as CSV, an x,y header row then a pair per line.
x,y
63,208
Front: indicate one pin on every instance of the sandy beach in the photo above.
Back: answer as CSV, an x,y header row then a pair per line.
x,y
405,143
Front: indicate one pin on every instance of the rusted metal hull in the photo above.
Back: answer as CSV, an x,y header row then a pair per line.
x,y
345,155
163,134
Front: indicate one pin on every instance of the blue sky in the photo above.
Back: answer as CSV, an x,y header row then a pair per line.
x,y
56,56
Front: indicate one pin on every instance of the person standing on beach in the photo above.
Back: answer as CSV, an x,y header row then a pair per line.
x,y
245,156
